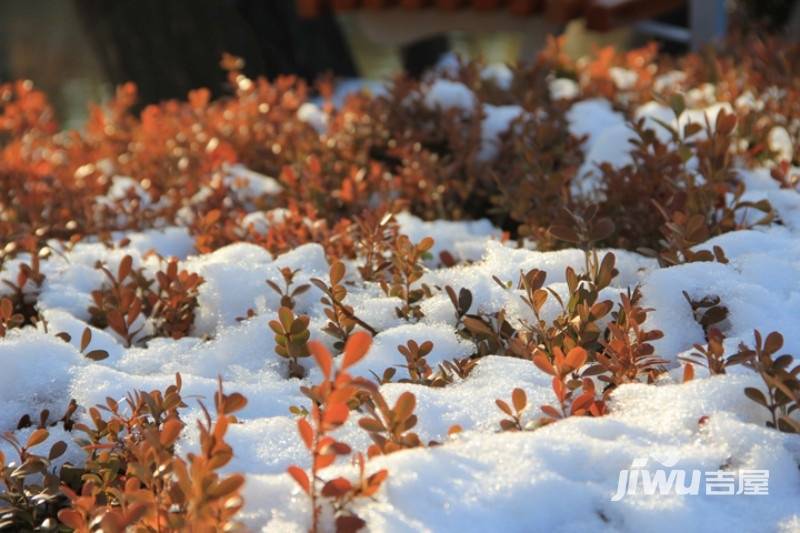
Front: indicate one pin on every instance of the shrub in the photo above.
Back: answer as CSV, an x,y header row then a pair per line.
x,y
341,188
24,292
120,304
291,339
712,355
8,318
329,411
405,270
31,493
519,402
570,403
341,318
390,427
418,369
171,305
627,354
780,379
132,477
129,299
287,292
383,153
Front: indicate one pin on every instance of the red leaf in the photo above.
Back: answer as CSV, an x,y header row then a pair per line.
x,y
349,524
125,267
336,487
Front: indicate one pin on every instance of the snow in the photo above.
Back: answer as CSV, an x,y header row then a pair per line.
x,y
701,115
623,78
655,115
249,185
557,478
591,117
313,115
167,242
668,79
536,481
496,122
612,145
780,141
234,277
36,370
349,86
465,240
564,89
499,74
446,94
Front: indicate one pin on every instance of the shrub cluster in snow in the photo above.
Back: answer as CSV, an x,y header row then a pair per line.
x,y
168,270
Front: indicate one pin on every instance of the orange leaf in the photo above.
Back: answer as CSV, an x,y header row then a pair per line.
x,y
378,477
335,415
116,322
405,405
306,433
86,338
349,523
6,308
337,272
559,389
172,428
234,402
356,348
71,518
322,356
550,411
371,424
576,357
519,399
37,437
342,395
324,461
299,476
688,372
504,407
582,402
227,486
541,361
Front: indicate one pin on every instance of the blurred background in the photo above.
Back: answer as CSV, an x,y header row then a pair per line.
x,y
79,50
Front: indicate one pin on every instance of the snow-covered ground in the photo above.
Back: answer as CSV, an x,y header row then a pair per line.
x,y
561,477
